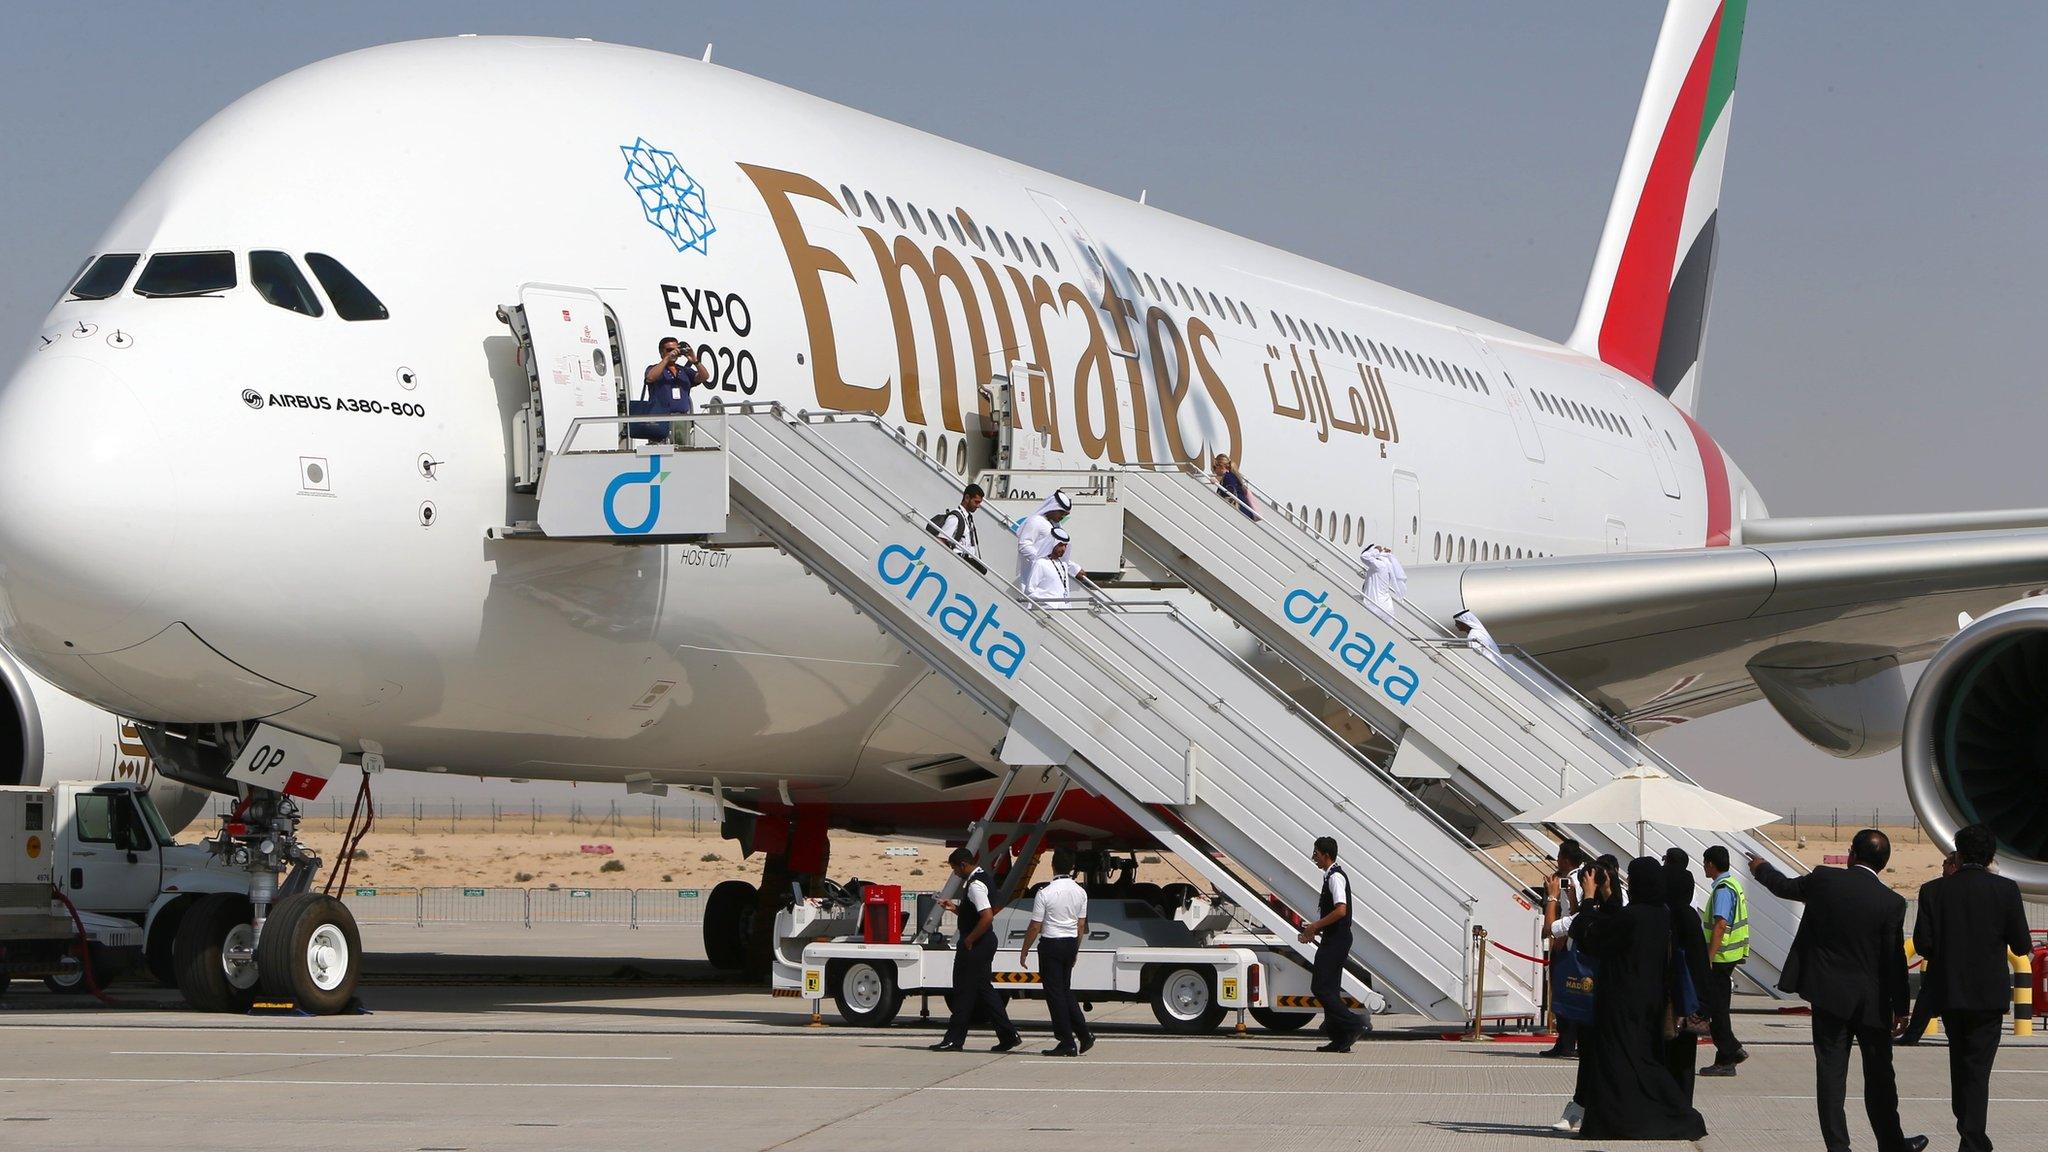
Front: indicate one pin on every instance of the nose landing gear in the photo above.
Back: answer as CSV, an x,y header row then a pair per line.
x,y
282,941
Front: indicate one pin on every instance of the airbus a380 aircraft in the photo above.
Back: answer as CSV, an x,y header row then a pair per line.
x,y
281,375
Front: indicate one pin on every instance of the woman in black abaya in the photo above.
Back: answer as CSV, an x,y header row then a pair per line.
x,y
1688,938
1629,1094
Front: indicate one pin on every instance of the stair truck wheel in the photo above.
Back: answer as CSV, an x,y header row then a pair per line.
x,y
728,920
208,979
311,953
866,993
1275,1020
1184,1000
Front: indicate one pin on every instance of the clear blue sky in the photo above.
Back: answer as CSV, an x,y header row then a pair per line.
x,y
1875,327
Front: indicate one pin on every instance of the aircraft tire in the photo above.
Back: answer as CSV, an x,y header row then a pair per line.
x,y
311,953
728,920
207,980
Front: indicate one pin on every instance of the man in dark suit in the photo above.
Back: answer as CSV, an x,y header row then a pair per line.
x,y
1849,962
1968,922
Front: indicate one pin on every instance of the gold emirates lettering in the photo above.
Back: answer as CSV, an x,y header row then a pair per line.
x,y
1179,357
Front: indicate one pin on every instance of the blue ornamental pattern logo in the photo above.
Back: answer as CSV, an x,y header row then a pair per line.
x,y
672,201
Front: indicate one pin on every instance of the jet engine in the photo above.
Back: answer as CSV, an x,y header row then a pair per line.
x,y
1976,738
47,735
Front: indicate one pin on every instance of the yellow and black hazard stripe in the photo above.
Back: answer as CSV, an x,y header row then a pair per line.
x,y
1307,1002
1013,977
2022,995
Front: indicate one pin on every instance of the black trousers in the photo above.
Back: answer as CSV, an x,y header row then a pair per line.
x,y
974,993
1056,969
1327,983
1832,1036
1720,991
1972,1045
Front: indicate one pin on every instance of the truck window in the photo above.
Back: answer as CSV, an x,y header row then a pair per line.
x,y
111,819
155,820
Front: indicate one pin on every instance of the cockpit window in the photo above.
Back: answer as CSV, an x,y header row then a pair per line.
x,y
352,301
187,274
280,282
105,277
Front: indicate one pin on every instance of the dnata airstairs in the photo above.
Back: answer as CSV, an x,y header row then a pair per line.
x,y
1135,701
1508,736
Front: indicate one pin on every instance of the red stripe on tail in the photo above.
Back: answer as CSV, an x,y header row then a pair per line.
x,y
1634,323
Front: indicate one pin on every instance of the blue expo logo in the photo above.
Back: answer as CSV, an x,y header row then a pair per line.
x,y
671,200
653,478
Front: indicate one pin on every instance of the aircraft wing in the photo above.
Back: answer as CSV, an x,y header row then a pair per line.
x,y
1663,637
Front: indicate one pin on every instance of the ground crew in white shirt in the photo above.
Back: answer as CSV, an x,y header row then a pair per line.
x,y
1059,922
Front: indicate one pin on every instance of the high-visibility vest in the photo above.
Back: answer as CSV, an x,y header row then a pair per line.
x,y
1735,941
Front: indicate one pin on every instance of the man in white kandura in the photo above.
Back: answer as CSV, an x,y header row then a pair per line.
x,y
1051,576
1033,530
1385,578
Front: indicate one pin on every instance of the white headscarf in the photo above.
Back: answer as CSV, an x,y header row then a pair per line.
x,y
1059,501
1475,631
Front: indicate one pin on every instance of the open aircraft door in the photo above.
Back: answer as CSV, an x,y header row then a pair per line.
x,y
570,346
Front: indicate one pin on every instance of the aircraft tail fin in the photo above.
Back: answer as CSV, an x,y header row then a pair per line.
x,y
1645,309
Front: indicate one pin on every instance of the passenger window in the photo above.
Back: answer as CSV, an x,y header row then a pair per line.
x,y
1218,303
1151,289
1015,251
279,282
916,217
852,201
958,238
874,206
351,299
1049,257
186,274
896,212
105,277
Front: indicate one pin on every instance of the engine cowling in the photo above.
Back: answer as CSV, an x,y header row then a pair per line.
x,y
47,735
1976,738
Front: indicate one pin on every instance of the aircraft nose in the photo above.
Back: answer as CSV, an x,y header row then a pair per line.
x,y
88,510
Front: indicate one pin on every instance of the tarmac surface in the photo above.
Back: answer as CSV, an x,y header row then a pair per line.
x,y
446,1061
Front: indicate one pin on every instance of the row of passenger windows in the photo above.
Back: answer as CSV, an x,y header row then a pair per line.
x,y
1455,549
1573,410
1344,528
1175,292
964,231
274,275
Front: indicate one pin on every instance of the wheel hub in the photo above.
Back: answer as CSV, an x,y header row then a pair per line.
x,y
327,957
1187,995
863,989
237,957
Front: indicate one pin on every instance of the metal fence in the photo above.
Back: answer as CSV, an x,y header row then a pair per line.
x,y
527,907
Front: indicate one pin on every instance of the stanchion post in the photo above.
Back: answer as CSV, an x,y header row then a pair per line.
x,y
817,1014
1478,984
2022,994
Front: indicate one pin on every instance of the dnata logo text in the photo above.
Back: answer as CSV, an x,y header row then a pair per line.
x,y
652,476
1359,652
957,613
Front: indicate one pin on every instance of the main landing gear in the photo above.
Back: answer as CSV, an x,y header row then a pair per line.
x,y
281,942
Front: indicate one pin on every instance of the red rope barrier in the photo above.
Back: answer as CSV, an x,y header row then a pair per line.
x,y
1519,955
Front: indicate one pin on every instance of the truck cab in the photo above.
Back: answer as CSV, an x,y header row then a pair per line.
x,y
112,853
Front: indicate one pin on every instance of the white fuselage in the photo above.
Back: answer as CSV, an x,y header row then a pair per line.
x,y
367,605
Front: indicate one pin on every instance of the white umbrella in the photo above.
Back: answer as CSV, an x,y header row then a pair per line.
x,y
1647,796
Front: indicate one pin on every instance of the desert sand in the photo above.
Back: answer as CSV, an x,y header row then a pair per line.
x,y
523,852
